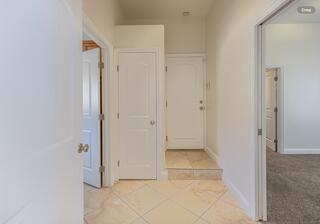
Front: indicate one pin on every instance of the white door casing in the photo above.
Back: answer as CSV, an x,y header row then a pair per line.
x,y
138,115
185,102
41,112
91,121
271,108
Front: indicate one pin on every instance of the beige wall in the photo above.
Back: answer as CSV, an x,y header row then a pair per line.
x,y
182,35
104,14
231,133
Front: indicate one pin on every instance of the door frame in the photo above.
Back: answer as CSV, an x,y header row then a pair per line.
x,y
106,52
204,64
161,172
259,108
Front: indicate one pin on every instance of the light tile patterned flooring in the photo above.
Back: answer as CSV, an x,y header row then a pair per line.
x,y
163,202
189,159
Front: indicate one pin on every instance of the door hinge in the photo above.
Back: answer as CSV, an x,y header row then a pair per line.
x,y
167,139
276,141
166,103
118,163
118,68
101,117
101,65
166,68
259,132
276,109
276,79
118,115
102,169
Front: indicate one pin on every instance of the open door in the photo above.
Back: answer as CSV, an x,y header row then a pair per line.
x,y
91,121
271,108
41,112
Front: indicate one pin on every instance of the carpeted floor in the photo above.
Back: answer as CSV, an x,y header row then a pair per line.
x,y
293,188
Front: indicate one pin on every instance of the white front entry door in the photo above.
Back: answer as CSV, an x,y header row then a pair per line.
x,y
185,103
41,112
271,105
137,107
91,121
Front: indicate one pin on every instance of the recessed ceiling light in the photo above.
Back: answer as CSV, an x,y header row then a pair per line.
x,y
186,13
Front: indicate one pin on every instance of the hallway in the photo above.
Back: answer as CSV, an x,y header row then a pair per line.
x,y
163,202
293,188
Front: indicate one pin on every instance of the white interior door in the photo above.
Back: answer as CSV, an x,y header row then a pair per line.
x,y
41,112
137,107
271,105
91,121
185,103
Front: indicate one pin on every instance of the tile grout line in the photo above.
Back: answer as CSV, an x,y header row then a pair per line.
x,y
218,199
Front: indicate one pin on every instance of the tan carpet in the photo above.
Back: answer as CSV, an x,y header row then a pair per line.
x,y
293,188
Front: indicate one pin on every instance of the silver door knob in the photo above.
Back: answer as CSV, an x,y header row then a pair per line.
x,y
83,148
152,122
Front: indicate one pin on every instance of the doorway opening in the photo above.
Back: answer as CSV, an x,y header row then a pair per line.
x,y
288,114
186,154
92,112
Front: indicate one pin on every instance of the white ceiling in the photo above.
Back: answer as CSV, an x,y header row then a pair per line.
x,y
291,15
162,9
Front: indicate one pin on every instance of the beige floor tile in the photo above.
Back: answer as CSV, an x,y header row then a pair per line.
x,y
175,174
166,188
124,187
170,213
207,163
224,213
114,211
229,198
176,160
144,199
216,186
197,198
140,221
201,221
202,174
196,155
94,199
182,183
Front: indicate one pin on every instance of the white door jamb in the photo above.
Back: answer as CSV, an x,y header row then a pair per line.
x,y
260,121
107,51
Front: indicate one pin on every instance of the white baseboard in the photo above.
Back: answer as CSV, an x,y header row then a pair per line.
x,y
212,154
244,203
301,151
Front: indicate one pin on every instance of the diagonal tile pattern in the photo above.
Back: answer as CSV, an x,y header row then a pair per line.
x,y
163,202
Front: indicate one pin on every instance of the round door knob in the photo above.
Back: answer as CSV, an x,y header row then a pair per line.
x,y
80,148
202,108
83,148
152,122
86,148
